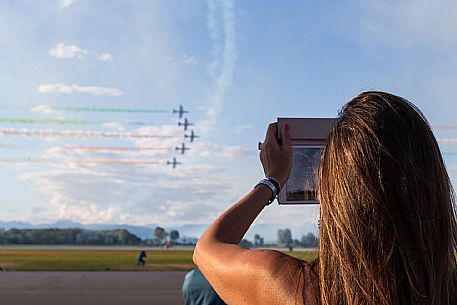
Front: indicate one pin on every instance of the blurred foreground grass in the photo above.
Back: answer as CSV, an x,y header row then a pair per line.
x,y
105,260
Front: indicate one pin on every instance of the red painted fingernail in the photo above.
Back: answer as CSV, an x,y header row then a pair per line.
x,y
287,126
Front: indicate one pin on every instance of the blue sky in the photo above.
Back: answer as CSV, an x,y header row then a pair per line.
x,y
236,65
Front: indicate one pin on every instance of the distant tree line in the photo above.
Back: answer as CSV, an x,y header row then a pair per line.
x,y
68,237
162,237
124,237
285,239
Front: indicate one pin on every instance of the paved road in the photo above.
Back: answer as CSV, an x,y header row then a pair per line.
x,y
91,288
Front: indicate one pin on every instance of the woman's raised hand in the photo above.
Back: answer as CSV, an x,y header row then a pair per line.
x,y
276,158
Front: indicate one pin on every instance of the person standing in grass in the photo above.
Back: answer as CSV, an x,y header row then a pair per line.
x,y
388,230
140,260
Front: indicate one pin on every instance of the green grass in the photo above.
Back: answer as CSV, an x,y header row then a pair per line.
x,y
106,260
304,255
74,260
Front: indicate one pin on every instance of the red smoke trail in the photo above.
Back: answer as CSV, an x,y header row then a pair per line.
x,y
77,134
115,162
445,127
86,161
447,141
114,148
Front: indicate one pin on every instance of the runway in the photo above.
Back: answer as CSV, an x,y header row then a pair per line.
x,y
91,288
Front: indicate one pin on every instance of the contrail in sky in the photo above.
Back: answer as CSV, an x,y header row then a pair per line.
x,y
223,35
445,127
43,121
65,122
43,133
116,148
116,162
49,108
87,161
447,141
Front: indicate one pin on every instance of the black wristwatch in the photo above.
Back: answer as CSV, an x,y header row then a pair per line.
x,y
273,185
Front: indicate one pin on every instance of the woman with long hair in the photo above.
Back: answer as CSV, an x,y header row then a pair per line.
x,y
388,231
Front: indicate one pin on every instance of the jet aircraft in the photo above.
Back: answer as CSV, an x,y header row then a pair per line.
x,y
185,124
183,148
174,163
181,111
191,136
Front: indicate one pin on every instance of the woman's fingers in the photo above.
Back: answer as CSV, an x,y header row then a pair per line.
x,y
285,132
270,138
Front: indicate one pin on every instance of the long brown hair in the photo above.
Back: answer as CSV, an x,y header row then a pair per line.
x,y
387,227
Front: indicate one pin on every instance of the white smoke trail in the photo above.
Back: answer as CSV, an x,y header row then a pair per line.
x,y
224,56
117,148
82,134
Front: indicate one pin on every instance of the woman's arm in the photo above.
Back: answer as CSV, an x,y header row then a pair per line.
x,y
240,275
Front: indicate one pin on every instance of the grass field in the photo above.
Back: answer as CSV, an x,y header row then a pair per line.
x,y
104,260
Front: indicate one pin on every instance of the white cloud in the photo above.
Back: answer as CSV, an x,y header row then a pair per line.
x,y
195,192
105,57
74,88
136,194
190,60
62,50
242,128
65,3
46,109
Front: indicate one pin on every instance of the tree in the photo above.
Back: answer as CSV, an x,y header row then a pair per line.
x,y
309,241
174,235
258,240
245,243
284,237
159,235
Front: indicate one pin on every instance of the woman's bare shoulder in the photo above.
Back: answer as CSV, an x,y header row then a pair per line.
x,y
290,277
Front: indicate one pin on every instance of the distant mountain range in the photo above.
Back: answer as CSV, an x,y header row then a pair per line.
x,y
267,231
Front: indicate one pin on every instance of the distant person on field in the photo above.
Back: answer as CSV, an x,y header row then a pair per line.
x,y
197,291
388,230
140,260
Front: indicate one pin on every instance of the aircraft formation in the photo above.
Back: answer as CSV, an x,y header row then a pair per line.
x,y
182,149
71,137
